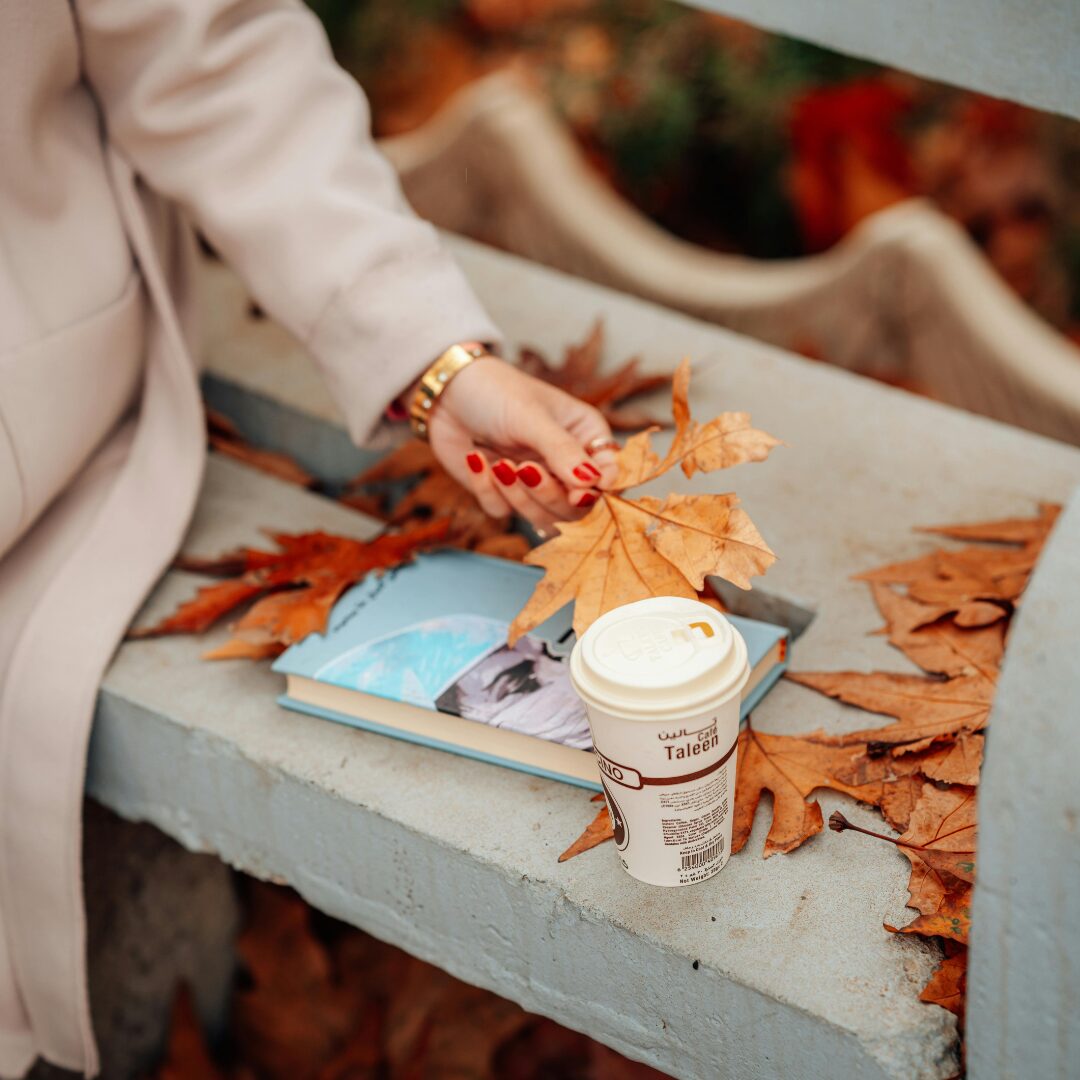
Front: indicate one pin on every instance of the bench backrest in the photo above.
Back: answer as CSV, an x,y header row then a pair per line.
x,y
1024,50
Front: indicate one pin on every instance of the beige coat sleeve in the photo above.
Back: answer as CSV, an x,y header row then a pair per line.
x,y
236,110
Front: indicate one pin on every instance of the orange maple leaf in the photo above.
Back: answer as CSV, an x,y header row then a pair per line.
x,y
628,549
927,710
596,832
433,493
940,844
579,375
948,985
298,585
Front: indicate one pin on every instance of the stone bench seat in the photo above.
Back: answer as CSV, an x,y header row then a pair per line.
x,y
773,968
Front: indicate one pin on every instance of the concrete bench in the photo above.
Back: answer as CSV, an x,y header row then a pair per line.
x,y
772,969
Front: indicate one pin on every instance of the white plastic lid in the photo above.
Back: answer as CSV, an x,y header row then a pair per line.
x,y
663,656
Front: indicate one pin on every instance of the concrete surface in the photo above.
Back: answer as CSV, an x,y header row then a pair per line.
x,y
772,969
1024,982
1019,49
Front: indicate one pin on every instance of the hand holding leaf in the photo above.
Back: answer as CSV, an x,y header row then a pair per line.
x,y
628,549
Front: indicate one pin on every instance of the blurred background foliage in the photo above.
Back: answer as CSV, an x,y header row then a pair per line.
x,y
737,139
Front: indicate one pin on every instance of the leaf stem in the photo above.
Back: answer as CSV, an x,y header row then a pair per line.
x,y
839,823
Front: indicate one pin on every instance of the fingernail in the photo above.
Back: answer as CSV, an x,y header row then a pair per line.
x,y
529,475
586,472
586,500
475,462
505,472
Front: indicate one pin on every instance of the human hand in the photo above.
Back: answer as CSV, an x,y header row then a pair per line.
x,y
519,444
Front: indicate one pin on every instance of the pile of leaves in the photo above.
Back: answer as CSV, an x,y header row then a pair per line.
x,y
320,1000
948,611
431,492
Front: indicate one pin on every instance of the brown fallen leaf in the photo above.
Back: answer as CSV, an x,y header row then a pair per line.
x,y
941,594
437,1026
940,844
927,710
579,375
432,494
893,784
224,437
977,583
596,832
958,762
1006,531
939,645
298,585
902,778
951,920
789,768
948,985
629,549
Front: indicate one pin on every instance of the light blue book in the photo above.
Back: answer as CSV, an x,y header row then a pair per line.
x,y
420,654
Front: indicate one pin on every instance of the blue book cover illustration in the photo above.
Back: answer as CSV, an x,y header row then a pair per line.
x,y
432,633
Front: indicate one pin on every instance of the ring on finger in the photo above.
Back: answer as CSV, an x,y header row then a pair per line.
x,y
601,442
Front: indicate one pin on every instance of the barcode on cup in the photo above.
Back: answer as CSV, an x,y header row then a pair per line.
x,y
700,858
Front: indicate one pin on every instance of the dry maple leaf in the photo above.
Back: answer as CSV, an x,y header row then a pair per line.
x,y
596,832
958,762
791,767
927,710
951,920
977,584
224,437
433,493
1005,531
298,584
940,844
939,645
629,549
948,985
579,375
895,784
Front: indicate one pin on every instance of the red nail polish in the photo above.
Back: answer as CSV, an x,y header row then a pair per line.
x,y
505,472
529,475
586,500
587,472
475,462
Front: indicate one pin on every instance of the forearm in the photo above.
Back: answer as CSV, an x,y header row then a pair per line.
x,y
237,111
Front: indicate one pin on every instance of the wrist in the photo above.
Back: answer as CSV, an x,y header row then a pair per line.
x,y
426,393
397,411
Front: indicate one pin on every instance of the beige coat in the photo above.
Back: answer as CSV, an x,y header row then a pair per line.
x,y
120,121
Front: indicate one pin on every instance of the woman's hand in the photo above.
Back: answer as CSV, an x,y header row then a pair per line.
x,y
519,444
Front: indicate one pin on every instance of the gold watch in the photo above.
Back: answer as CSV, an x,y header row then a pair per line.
x,y
435,380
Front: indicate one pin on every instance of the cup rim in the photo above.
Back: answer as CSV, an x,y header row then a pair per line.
x,y
661,713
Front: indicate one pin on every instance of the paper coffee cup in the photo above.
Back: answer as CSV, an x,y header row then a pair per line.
x,y
661,680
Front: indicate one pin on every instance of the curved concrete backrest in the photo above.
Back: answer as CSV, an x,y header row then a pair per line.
x,y
905,296
1023,1017
1018,49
